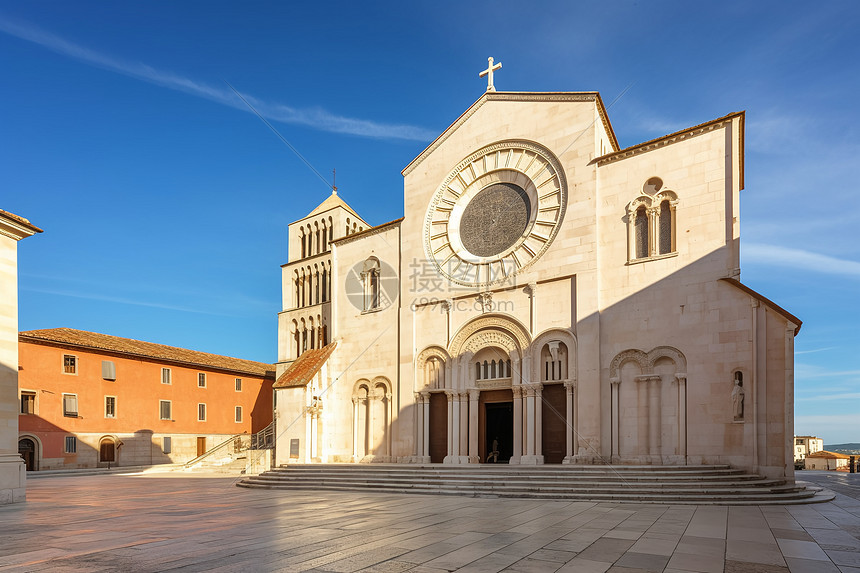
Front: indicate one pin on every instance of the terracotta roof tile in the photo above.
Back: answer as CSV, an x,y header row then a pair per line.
x,y
829,455
305,367
21,221
115,344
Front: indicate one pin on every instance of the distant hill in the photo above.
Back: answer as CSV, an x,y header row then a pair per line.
x,y
852,447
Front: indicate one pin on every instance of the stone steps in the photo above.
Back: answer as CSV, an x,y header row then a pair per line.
x,y
640,484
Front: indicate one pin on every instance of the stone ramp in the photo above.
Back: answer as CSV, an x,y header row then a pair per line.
x,y
704,484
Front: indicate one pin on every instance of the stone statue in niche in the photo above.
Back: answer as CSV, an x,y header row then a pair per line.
x,y
738,397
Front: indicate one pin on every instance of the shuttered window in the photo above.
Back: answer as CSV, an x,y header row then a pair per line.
x,y
70,405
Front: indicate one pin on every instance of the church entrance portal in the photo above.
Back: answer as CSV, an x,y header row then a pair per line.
x,y
438,427
496,423
554,425
27,449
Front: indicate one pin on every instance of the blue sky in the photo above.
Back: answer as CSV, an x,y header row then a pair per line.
x,y
165,203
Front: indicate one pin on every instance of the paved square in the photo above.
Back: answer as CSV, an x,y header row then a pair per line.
x,y
173,522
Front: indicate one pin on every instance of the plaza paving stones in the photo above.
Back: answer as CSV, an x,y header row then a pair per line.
x,y
173,522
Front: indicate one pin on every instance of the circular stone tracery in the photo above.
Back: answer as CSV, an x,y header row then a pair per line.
x,y
495,219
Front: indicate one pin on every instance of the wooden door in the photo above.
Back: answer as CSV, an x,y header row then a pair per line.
x,y
438,427
107,451
553,418
201,446
27,449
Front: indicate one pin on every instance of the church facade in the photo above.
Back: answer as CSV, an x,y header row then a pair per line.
x,y
548,297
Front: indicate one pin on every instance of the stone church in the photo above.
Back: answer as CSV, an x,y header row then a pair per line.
x,y
547,298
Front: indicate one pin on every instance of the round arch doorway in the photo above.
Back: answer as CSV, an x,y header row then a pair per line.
x,y
28,450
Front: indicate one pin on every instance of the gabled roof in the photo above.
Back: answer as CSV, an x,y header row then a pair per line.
x,y
306,366
333,201
517,96
761,298
70,337
680,136
15,226
829,455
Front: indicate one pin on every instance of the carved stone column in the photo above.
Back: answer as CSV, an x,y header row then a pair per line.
x,y
682,412
614,454
419,425
455,425
425,406
654,419
518,424
538,390
570,433
450,396
355,429
474,394
464,428
532,307
529,458
643,425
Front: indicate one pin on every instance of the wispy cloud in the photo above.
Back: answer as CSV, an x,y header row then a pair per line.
x,y
764,254
316,118
828,397
123,300
815,350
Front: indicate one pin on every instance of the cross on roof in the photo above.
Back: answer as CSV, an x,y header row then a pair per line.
x,y
489,72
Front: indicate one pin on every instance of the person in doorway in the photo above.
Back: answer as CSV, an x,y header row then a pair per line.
x,y
494,454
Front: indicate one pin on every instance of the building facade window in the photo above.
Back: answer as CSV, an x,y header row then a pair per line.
x,y
165,375
201,412
238,384
166,444
70,364
110,406
370,278
651,222
164,409
71,445
108,370
201,380
28,402
238,414
70,405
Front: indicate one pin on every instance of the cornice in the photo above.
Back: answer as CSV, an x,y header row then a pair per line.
x,y
367,232
673,138
16,227
520,97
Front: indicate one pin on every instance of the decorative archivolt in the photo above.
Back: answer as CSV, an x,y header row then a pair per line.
x,y
487,338
431,352
554,335
379,388
652,202
512,334
646,360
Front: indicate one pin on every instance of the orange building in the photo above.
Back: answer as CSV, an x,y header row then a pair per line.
x,y
89,399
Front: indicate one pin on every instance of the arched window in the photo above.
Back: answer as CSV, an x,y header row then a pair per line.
x,y
665,228
477,371
312,337
370,278
641,231
302,301
298,292
324,237
347,226
297,338
330,231
317,236
317,287
304,336
486,370
554,361
304,246
324,284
